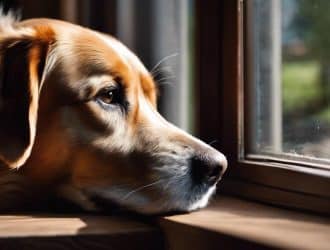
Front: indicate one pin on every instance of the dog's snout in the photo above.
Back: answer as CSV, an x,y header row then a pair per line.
x,y
205,170
214,173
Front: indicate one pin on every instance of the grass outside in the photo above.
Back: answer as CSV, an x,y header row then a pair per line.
x,y
300,85
301,88
306,123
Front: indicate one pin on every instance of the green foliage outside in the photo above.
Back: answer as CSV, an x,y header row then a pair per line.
x,y
306,80
300,85
301,88
312,22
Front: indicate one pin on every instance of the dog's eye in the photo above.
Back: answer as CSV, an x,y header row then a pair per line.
x,y
109,96
112,97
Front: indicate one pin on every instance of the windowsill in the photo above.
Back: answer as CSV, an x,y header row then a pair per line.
x,y
228,222
234,223
44,231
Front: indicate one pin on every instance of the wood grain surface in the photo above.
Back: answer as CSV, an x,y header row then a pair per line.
x,y
228,223
231,223
76,232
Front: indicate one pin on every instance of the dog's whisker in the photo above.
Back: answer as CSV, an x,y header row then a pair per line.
x,y
161,80
213,142
163,60
163,70
162,76
140,188
172,179
149,185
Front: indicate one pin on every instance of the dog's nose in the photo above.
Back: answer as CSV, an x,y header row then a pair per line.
x,y
207,170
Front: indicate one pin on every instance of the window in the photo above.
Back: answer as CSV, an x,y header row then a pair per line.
x,y
274,119
287,69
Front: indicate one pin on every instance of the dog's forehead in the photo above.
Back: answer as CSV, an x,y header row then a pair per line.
x,y
131,59
84,53
123,53
98,53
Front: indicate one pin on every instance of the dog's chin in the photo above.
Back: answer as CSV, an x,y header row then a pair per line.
x,y
108,200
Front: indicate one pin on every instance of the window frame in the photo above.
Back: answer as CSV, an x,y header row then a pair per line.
x,y
273,180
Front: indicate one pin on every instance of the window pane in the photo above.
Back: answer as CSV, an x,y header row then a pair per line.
x,y
288,65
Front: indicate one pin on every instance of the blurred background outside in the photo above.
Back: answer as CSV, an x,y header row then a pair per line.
x,y
289,65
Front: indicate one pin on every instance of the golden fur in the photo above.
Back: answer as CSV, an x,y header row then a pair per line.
x,y
65,141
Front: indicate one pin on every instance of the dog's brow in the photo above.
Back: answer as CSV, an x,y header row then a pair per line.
x,y
90,70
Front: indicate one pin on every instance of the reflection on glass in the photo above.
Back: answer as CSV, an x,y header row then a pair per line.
x,y
289,65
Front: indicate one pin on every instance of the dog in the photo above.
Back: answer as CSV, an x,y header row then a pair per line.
x,y
79,118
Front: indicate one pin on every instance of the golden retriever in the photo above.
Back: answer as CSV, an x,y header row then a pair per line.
x,y
78,118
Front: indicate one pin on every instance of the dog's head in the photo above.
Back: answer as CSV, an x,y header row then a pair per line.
x,y
78,110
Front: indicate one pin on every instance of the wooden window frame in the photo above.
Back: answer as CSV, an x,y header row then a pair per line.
x,y
222,83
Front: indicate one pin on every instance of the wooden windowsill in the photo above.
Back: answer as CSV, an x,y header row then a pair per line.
x,y
231,223
76,232
228,223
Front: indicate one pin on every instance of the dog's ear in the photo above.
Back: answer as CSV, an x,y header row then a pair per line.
x,y
22,63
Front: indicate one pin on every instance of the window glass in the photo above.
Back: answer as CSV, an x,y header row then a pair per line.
x,y
288,70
